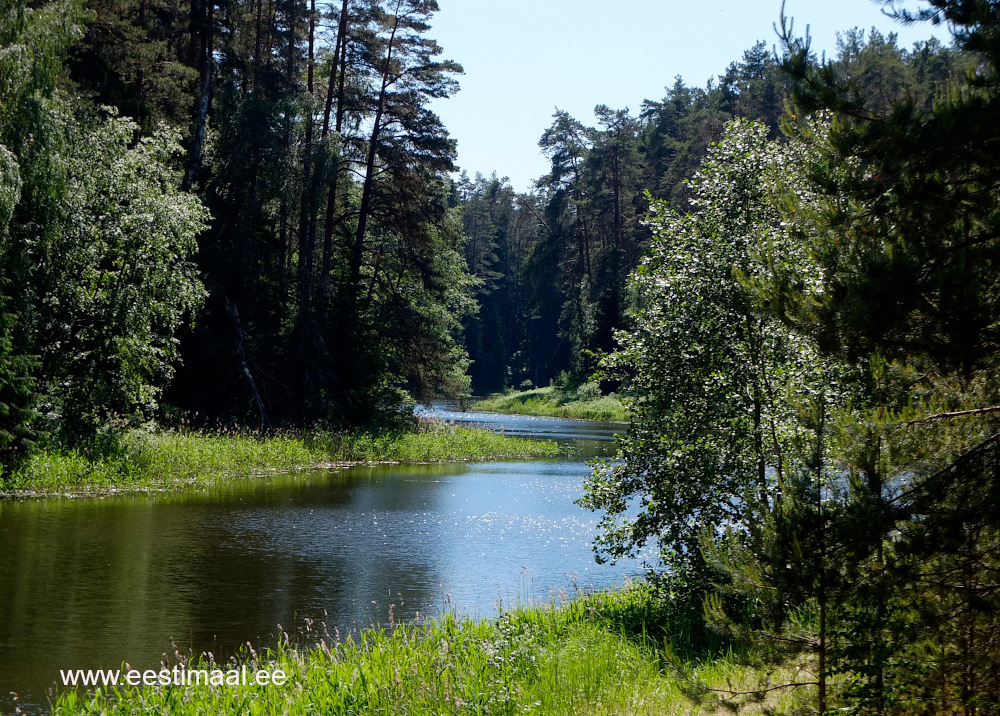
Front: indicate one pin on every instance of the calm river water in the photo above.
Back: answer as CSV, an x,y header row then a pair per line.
x,y
92,583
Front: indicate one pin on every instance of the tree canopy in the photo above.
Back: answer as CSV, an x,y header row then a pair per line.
x,y
814,371
255,192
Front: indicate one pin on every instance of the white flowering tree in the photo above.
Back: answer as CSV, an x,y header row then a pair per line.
x,y
726,464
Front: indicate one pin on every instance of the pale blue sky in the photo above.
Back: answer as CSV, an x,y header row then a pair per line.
x,y
524,58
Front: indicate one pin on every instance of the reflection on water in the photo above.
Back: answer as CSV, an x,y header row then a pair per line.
x,y
89,583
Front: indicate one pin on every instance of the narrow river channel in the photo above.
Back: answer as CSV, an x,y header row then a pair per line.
x,y
91,583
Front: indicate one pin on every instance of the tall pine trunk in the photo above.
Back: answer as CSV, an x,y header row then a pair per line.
x,y
338,66
201,109
369,186
306,203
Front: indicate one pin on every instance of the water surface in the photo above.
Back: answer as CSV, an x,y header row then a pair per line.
x,y
90,583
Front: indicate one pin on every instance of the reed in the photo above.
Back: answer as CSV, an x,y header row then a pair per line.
x,y
143,459
431,441
567,659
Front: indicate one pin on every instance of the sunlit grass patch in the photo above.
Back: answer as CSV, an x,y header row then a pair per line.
x,y
582,403
158,459
564,660
432,441
58,471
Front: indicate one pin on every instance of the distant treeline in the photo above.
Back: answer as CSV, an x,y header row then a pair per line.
x,y
553,263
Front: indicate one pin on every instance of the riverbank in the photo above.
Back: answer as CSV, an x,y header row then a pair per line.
x,y
142,459
583,403
603,653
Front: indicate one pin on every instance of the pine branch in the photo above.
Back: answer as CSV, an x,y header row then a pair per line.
x,y
527,205
973,452
956,414
755,692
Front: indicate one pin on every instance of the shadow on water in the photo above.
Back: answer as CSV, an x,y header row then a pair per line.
x,y
91,583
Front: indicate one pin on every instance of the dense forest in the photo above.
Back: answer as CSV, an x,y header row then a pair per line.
x,y
310,259
812,354
553,264
237,210
243,212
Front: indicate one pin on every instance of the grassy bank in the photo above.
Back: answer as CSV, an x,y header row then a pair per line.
x,y
584,402
151,459
586,657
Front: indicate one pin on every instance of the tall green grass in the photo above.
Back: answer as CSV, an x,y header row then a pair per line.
x,y
433,441
565,660
582,403
157,459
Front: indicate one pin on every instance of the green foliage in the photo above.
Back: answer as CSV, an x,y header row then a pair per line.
x,y
501,232
568,659
327,299
127,238
97,239
905,230
555,305
592,209
421,313
584,402
16,383
16,395
814,441
709,373
136,56
10,185
103,241
330,298
33,41
148,458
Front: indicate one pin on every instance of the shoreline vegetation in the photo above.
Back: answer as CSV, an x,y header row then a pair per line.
x,y
585,402
146,459
607,652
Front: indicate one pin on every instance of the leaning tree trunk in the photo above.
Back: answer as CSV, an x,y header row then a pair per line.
x,y
234,317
